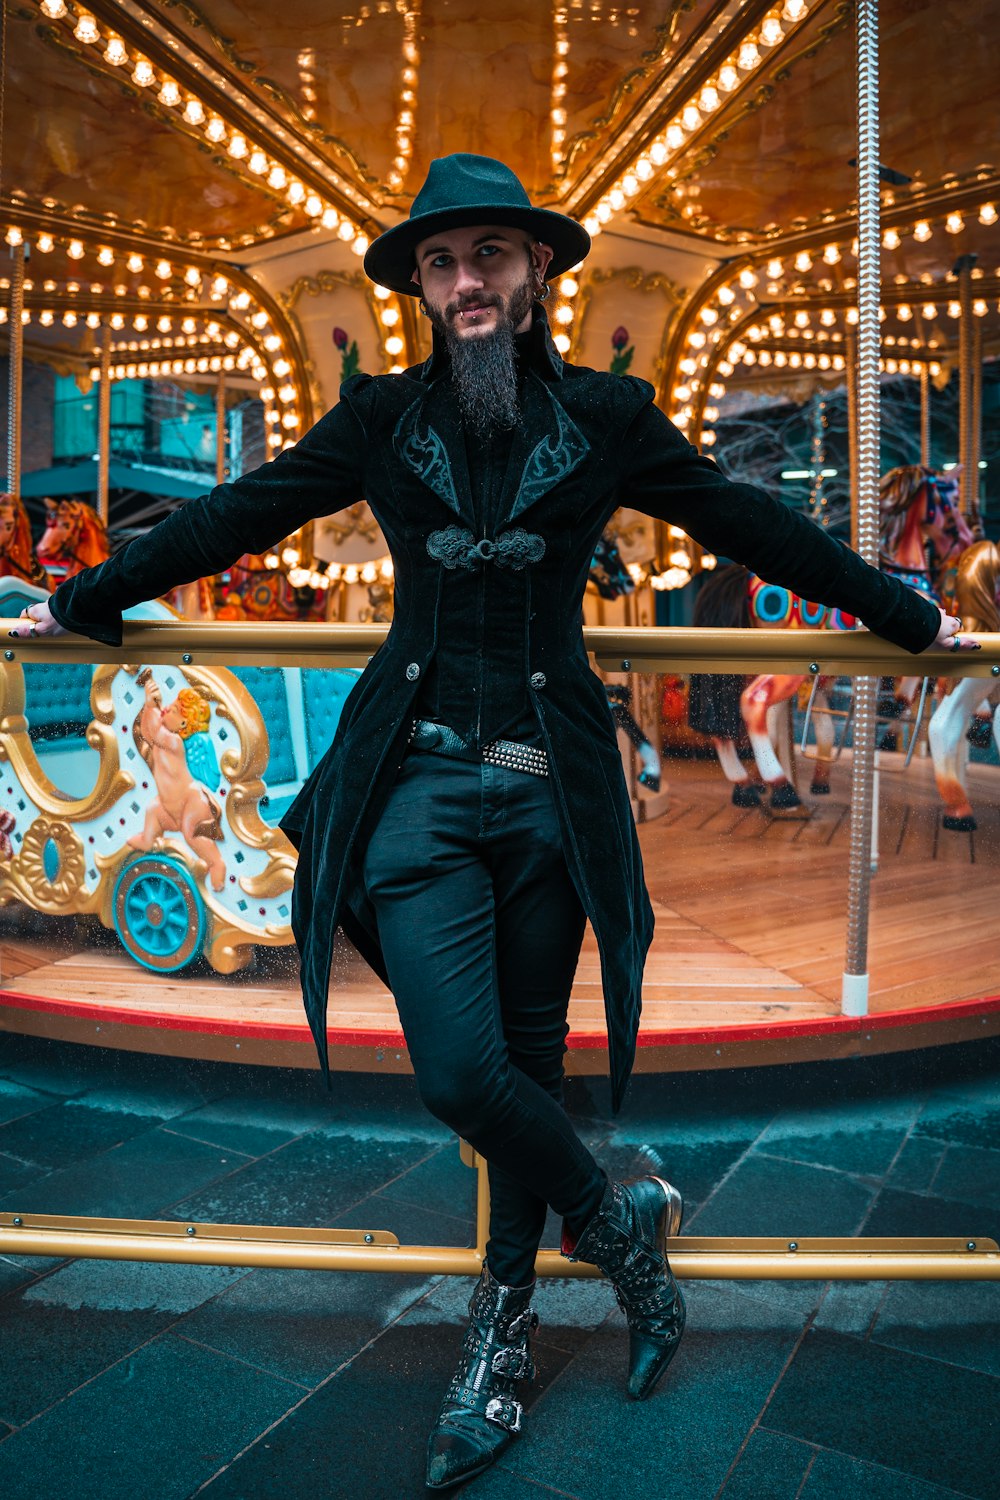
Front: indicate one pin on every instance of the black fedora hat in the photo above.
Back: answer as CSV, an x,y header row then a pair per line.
x,y
462,190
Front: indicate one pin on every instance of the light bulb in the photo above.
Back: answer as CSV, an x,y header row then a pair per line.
x,y
831,254
143,73
394,344
115,52
296,191
922,230
237,147
54,9
257,163
728,78
928,310
330,218
774,269
215,130
164,270
169,94
674,137
690,117
904,312
954,223
748,57
314,207
277,178
75,250
988,214
86,29
134,263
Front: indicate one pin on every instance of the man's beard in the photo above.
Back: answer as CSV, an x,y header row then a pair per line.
x,y
484,366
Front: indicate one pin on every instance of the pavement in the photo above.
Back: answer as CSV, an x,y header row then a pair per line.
x,y
130,1381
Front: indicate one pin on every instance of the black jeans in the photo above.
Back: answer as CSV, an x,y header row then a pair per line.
x,y
481,928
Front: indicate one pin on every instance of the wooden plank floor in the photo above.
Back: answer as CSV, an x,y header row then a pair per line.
x,y
750,926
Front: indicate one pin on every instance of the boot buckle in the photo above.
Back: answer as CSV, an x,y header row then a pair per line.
x,y
515,1363
505,1411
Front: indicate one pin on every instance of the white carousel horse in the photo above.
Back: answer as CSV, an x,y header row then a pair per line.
x,y
977,595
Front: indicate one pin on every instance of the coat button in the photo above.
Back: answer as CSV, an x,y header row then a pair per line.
x,y
537,679
412,672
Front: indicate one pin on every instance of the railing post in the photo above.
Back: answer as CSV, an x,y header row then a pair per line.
x,y
854,993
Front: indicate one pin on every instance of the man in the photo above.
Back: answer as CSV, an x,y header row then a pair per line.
x,y
472,811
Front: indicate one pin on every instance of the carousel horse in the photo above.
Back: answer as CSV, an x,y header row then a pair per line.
x,y
619,701
721,705
922,533
612,579
608,573
17,556
977,596
75,538
257,592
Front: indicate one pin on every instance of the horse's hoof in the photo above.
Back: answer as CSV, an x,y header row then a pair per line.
x,y
784,797
820,788
746,794
966,824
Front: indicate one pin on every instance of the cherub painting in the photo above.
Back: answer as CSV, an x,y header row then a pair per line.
x,y
175,744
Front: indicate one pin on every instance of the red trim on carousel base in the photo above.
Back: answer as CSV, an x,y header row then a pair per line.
x,y
681,1048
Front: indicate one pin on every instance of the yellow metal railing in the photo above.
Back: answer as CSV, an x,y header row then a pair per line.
x,y
637,649
640,648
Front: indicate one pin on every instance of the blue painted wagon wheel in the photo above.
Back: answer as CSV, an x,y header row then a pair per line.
x,y
158,913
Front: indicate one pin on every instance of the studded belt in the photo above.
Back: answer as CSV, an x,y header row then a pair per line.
x,y
439,739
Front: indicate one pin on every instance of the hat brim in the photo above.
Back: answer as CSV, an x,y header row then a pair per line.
x,y
389,260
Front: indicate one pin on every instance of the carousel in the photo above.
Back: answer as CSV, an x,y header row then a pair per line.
x,y
187,192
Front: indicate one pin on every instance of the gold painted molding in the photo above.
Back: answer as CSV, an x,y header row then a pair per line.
x,y
635,278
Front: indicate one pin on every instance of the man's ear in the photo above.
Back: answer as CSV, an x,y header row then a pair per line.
x,y
541,257
415,276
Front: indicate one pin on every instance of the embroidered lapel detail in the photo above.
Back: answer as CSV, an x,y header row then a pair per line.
x,y
552,457
429,440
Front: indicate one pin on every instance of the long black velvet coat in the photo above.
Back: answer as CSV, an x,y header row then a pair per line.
x,y
589,442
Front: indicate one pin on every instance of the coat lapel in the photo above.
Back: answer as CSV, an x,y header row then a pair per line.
x,y
547,446
429,440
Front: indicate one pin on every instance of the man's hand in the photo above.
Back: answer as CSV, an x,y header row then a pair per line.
x,y
950,637
37,619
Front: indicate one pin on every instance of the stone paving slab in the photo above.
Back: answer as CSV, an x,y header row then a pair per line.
x,y
169,1382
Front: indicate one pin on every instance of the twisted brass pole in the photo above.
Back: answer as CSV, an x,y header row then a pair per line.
x,y
854,993
15,367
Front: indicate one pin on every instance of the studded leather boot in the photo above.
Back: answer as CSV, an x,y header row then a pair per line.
x,y
480,1413
625,1238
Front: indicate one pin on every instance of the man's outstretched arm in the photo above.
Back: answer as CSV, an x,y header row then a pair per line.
x,y
663,475
322,473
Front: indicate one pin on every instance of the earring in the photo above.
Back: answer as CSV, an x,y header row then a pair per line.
x,y
544,291
423,306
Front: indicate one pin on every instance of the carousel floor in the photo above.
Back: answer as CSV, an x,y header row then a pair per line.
x,y
745,967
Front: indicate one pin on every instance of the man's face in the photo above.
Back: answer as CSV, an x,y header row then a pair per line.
x,y
474,280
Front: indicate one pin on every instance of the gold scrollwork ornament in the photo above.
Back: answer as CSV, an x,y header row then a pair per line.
x,y
71,867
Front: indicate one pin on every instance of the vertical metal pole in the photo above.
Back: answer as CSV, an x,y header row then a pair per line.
x,y
925,417
220,428
15,378
976,422
851,370
966,478
854,993
104,427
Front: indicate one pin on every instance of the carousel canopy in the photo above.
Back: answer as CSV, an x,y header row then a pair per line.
x,y
196,183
